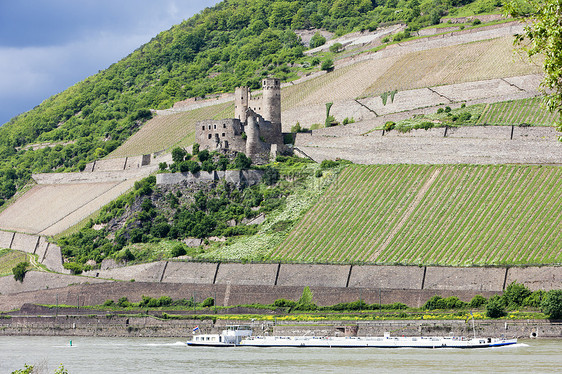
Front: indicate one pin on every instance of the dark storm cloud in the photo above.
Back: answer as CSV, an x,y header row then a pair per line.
x,y
48,45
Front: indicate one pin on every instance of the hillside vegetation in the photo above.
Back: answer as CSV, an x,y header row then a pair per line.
x,y
447,215
235,43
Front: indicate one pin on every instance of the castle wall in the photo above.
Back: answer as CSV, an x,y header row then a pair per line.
x,y
217,134
244,177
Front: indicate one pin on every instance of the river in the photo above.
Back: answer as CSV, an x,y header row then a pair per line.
x,y
90,355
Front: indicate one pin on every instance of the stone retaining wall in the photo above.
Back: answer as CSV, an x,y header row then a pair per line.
x,y
239,177
47,253
234,284
64,325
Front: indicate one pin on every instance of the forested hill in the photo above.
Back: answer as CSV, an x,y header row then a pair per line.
x,y
236,42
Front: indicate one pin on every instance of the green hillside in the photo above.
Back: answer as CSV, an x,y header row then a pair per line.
x,y
235,43
447,215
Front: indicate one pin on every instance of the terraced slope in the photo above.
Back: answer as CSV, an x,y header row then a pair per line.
x,y
530,111
469,62
448,215
166,131
9,259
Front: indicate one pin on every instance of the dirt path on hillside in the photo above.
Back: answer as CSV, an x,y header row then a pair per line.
x,y
411,208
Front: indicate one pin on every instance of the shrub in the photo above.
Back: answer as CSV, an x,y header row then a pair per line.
x,y
318,174
178,250
464,116
435,302
515,294
476,22
317,40
296,128
453,302
477,301
424,125
208,165
271,176
336,48
305,301
495,307
551,305
203,155
74,267
242,161
178,154
284,303
208,302
123,302
389,126
19,271
195,148
348,120
109,302
327,164
534,300
194,167
327,64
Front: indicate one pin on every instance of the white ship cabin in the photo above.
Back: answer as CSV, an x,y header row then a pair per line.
x,y
231,335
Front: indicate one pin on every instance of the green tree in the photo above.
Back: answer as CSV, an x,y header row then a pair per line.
x,y
242,161
495,308
336,48
19,271
515,294
327,64
551,305
543,36
178,154
317,40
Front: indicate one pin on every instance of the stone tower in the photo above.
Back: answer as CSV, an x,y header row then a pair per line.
x,y
271,104
241,101
253,134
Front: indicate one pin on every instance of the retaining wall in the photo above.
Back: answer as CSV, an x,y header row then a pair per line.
x,y
64,325
536,278
476,279
239,274
47,254
25,242
244,177
234,284
190,272
406,277
6,239
313,275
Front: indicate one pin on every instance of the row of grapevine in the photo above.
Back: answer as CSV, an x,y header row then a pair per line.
x,y
529,111
167,131
494,214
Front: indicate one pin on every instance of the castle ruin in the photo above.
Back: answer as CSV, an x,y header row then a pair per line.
x,y
256,128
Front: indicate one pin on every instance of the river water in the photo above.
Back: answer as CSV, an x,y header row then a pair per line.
x,y
155,355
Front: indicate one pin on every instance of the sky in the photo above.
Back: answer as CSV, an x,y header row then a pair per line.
x,y
47,46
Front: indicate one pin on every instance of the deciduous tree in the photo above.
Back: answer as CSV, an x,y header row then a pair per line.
x,y
543,36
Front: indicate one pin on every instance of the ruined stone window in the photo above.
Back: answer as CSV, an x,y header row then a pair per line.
x,y
210,136
223,134
209,127
226,144
203,128
215,127
224,125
